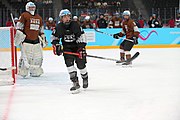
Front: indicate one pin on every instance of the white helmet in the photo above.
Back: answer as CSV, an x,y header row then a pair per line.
x,y
64,12
29,5
87,17
16,19
75,17
50,19
126,12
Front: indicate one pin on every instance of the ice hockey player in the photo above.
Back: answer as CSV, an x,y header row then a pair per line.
x,y
131,31
154,22
50,24
30,36
73,40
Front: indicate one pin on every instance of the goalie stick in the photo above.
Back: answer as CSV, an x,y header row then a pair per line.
x,y
24,57
7,69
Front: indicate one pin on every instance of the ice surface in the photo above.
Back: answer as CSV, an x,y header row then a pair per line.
x,y
150,90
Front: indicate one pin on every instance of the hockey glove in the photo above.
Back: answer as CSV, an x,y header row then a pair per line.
x,y
57,49
43,40
135,39
82,53
116,36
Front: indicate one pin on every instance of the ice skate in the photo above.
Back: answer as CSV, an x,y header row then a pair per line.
x,y
75,88
85,83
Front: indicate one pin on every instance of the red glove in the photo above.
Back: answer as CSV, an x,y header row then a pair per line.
x,y
82,53
57,50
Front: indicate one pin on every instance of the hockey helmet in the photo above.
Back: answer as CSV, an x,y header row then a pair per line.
x,y
75,17
30,7
64,12
50,19
87,17
126,12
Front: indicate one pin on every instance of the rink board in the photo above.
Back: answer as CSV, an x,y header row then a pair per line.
x,y
149,37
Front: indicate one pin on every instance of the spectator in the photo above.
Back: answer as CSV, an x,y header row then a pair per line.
x,y
87,23
141,22
171,23
154,22
50,24
16,20
115,22
178,20
102,23
9,23
75,18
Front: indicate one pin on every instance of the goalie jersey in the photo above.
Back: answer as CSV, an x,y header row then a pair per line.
x,y
30,25
71,35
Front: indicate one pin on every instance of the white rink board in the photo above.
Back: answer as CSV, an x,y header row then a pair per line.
x,y
150,90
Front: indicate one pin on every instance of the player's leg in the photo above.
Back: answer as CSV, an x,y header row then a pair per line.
x,y
122,52
81,64
128,45
26,56
36,61
69,61
22,69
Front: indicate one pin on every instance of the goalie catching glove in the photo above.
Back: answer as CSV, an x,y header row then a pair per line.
x,y
43,40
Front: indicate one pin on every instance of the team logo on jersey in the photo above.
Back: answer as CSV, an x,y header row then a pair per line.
x,y
69,38
34,24
35,21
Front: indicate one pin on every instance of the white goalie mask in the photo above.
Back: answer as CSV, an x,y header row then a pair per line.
x,y
31,7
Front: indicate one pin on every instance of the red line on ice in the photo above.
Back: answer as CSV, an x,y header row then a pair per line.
x,y
8,106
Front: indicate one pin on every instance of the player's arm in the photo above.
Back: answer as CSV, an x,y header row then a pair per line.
x,y
20,35
42,36
57,49
135,33
80,40
118,35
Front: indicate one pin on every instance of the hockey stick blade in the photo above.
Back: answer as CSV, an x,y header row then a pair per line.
x,y
130,60
7,69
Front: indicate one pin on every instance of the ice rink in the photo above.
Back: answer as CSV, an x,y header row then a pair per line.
x,y
150,90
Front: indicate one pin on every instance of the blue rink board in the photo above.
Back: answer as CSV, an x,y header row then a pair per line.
x,y
148,36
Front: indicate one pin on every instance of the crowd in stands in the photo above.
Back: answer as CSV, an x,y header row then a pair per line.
x,y
108,21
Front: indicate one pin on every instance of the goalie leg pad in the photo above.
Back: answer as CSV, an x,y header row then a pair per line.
x,y
36,71
23,70
36,61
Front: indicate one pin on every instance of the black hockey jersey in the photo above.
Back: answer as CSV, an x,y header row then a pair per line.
x,y
71,35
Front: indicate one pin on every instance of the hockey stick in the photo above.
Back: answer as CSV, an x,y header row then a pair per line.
x,y
93,56
105,58
103,32
7,69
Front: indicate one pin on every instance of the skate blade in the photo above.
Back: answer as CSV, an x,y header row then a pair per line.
x,y
75,91
126,66
119,64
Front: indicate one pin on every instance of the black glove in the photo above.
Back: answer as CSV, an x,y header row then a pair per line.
x,y
57,49
116,36
135,39
82,53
